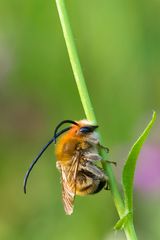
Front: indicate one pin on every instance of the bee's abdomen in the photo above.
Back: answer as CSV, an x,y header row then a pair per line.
x,y
87,184
100,186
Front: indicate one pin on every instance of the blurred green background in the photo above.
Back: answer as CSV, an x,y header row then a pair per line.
x,y
119,48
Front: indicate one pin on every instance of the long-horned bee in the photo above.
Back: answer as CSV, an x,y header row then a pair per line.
x,y
76,151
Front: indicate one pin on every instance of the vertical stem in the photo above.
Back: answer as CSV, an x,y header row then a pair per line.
x,y
74,59
130,231
86,102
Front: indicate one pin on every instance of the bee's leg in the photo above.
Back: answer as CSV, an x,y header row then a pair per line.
x,y
112,162
91,157
107,187
91,169
106,149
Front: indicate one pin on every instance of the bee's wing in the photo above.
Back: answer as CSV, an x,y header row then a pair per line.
x,y
69,184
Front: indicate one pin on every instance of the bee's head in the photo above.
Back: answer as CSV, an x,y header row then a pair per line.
x,y
80,128
85,127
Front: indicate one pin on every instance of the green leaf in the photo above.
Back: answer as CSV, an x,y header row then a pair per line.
x,y
121,223
129,167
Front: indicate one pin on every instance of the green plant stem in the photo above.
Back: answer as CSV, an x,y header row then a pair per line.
x,y
73,56
86,102
130,231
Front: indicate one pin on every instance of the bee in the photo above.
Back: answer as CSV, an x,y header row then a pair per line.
x,y
77,151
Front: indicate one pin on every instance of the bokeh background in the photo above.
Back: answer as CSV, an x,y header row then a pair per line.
x,y
119,48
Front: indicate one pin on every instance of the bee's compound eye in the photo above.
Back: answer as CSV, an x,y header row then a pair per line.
x,y
87,129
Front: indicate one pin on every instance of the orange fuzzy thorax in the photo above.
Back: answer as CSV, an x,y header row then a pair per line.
x,y
66,144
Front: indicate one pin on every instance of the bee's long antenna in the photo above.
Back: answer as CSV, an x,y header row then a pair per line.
x,y
39,155
61,123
